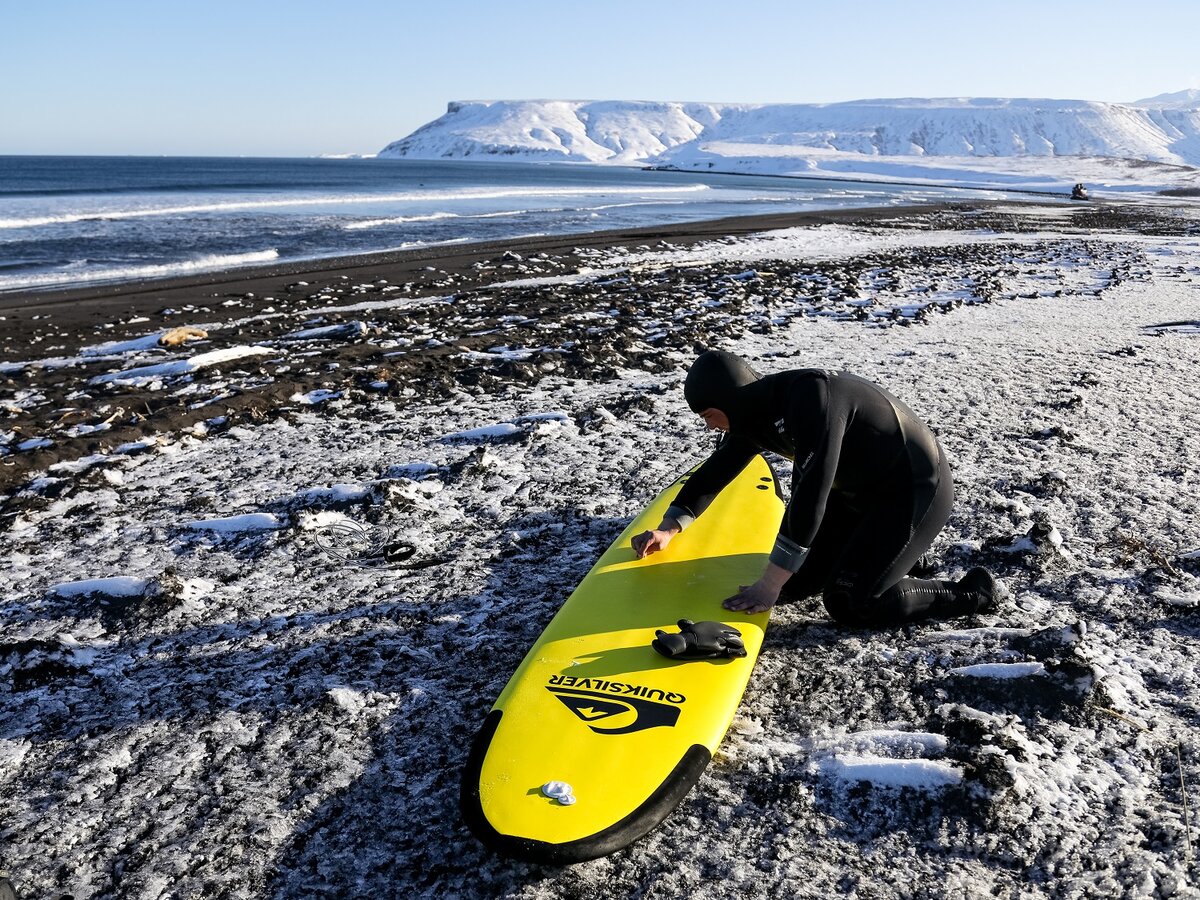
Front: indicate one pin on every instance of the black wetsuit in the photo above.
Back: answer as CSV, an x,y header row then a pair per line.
x,y
871,489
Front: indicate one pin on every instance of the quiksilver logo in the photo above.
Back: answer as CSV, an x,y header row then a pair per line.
x,y
614,707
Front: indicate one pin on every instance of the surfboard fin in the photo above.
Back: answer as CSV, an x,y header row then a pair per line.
x,y
700,640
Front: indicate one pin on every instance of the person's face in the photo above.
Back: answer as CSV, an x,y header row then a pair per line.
x,y
715,419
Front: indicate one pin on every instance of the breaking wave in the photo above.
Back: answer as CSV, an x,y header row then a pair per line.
x,y
101,215
402,220
76,274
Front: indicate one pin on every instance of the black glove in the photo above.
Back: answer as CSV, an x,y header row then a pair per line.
x,y
700,640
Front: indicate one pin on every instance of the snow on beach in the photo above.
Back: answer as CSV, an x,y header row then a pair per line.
x,y
202,692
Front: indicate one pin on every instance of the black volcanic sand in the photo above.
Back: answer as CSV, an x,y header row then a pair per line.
x,y
455,313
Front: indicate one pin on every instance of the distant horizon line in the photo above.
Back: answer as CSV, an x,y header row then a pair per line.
x,y
329,156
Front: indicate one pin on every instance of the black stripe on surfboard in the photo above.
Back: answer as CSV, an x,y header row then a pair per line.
x,y
616,837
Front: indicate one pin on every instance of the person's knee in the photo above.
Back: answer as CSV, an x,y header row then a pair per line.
x,y
844,607
850,603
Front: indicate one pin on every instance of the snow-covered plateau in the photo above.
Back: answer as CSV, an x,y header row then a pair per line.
x,y
246,658
1026,144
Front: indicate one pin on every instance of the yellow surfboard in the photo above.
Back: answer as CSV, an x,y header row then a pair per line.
x,y
597,737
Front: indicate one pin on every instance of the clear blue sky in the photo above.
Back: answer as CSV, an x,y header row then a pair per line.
x,y
302,77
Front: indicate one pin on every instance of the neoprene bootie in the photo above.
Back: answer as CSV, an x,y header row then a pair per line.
x,y
978,587
918,597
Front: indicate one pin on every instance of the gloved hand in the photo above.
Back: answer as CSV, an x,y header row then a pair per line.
x,y
700,640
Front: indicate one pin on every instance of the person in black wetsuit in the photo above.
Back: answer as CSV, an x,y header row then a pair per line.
x,y
871,489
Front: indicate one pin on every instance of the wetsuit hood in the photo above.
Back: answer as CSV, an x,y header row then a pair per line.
x,y
715,380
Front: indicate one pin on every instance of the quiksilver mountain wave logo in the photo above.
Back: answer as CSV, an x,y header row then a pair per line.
x,y
614,707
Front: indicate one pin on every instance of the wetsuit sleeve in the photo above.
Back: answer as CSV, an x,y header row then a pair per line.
x,y
817,430
733,455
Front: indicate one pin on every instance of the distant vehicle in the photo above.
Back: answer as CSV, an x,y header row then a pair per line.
x,y
1079,192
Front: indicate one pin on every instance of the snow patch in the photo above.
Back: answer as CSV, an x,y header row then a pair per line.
x,y
144,375
1000,670
500,430
922,774
316,397
231,525
112,586
13,752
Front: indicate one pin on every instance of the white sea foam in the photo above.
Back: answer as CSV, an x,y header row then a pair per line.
x,y
341,200
132,273
403,220
508,214
412,245
399,220
634,203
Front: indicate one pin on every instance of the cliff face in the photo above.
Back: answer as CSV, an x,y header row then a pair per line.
x,y
688,134
600,131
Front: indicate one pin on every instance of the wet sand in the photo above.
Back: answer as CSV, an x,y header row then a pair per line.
x,y
94,302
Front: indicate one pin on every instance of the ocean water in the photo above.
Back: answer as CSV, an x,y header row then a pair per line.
x,y
67,221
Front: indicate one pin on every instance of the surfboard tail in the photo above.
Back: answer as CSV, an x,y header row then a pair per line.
x,y
636,825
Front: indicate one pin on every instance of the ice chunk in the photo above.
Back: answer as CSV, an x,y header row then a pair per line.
x,y
503,429
249,522
146,342
896,741
75,466
1001,670
145,374
113,586
315,397
349,700
914,773
413,470
337,493
343,330
12,752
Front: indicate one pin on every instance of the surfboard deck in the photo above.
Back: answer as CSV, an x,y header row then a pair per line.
x,y
595,707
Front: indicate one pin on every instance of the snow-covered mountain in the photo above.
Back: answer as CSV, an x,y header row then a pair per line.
x,y
992,138
1188,99
595,131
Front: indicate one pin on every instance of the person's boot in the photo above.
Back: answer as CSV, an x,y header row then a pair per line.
x,y
977,587
916,598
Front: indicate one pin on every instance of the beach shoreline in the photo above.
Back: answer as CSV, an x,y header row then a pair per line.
x,y
454,255
67,318
403,324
